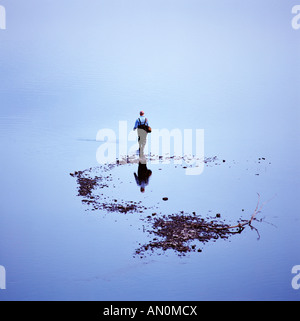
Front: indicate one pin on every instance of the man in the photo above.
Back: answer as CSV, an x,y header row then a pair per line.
x,y
140,124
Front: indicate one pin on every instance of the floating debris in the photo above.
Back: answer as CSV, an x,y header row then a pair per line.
x,y
177,231
88,187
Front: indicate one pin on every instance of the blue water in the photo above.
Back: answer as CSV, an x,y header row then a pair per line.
x,y
69,69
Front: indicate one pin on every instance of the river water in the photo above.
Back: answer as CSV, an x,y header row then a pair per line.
x,y
69,69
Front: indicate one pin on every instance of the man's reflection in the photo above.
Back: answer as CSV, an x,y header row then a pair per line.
x,y
143,174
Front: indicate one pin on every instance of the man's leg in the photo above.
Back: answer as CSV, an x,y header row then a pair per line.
x,y
142,140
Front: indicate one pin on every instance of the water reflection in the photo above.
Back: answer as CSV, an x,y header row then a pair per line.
x,y
143,174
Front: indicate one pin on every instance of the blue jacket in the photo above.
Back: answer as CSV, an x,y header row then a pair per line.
x,y
141,120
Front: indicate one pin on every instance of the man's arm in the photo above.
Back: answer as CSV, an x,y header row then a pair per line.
x,y
136,125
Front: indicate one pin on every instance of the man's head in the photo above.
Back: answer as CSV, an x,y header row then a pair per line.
x,y
142,113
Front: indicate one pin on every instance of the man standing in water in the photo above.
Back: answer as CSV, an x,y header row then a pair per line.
x,y
141,124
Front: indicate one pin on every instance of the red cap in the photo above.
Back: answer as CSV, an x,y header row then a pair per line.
x,y
141,113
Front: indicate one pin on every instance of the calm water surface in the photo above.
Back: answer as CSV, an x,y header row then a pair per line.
x,y
71,69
